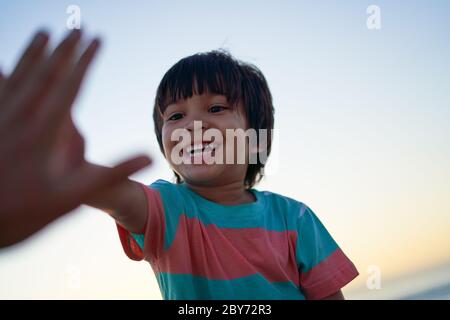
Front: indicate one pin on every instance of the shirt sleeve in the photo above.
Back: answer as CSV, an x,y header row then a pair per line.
x,y
323,267
150,243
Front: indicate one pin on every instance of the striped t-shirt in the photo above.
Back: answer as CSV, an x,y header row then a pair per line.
x,y
273,248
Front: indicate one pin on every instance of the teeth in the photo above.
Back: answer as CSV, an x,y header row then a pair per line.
x,y
198,148
210,146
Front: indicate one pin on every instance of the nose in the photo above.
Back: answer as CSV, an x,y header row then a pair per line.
x,y
196,123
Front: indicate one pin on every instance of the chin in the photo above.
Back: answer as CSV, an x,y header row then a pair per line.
x,y
203,174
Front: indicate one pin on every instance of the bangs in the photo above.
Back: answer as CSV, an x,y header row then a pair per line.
x,y
213,73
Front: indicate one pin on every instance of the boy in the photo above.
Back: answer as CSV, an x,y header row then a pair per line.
x,y
211,235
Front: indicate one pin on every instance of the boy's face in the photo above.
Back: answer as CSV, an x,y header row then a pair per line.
x,y
214,112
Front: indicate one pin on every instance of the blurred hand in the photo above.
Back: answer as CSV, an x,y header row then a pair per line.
x,y
43,171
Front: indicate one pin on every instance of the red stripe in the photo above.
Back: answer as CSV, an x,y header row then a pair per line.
x,y
131,248
229,253
329,276
156,225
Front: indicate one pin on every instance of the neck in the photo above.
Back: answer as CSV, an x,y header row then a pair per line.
x,y
233,193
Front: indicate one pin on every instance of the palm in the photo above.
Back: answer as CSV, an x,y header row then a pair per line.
x,y
67,152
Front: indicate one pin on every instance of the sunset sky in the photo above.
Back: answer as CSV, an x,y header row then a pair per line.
x,y
362,118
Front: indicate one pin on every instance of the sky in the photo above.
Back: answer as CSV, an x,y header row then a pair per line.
x,y
361,117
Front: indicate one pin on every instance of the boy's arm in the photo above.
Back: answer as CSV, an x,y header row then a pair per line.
x,y
126,203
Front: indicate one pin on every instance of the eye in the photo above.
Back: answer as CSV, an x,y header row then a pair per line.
x,y
216,109
175,116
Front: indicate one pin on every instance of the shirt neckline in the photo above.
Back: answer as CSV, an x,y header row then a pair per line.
x,y
239,211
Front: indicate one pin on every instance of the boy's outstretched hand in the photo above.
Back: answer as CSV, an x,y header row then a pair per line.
x,y
43,172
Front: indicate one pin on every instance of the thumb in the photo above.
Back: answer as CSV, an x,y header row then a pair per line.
x,y
91,179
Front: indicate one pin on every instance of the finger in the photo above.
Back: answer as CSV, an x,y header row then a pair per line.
x,y
60,59
44,80
32,56
61,102
90,180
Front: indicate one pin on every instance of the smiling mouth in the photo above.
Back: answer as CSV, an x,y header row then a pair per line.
x,y
198,150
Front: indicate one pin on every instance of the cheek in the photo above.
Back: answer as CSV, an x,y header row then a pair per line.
x,y
240,122
165,136
236,122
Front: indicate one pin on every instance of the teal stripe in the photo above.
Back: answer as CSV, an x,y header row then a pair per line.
x,y
314,243
251,288
139,238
